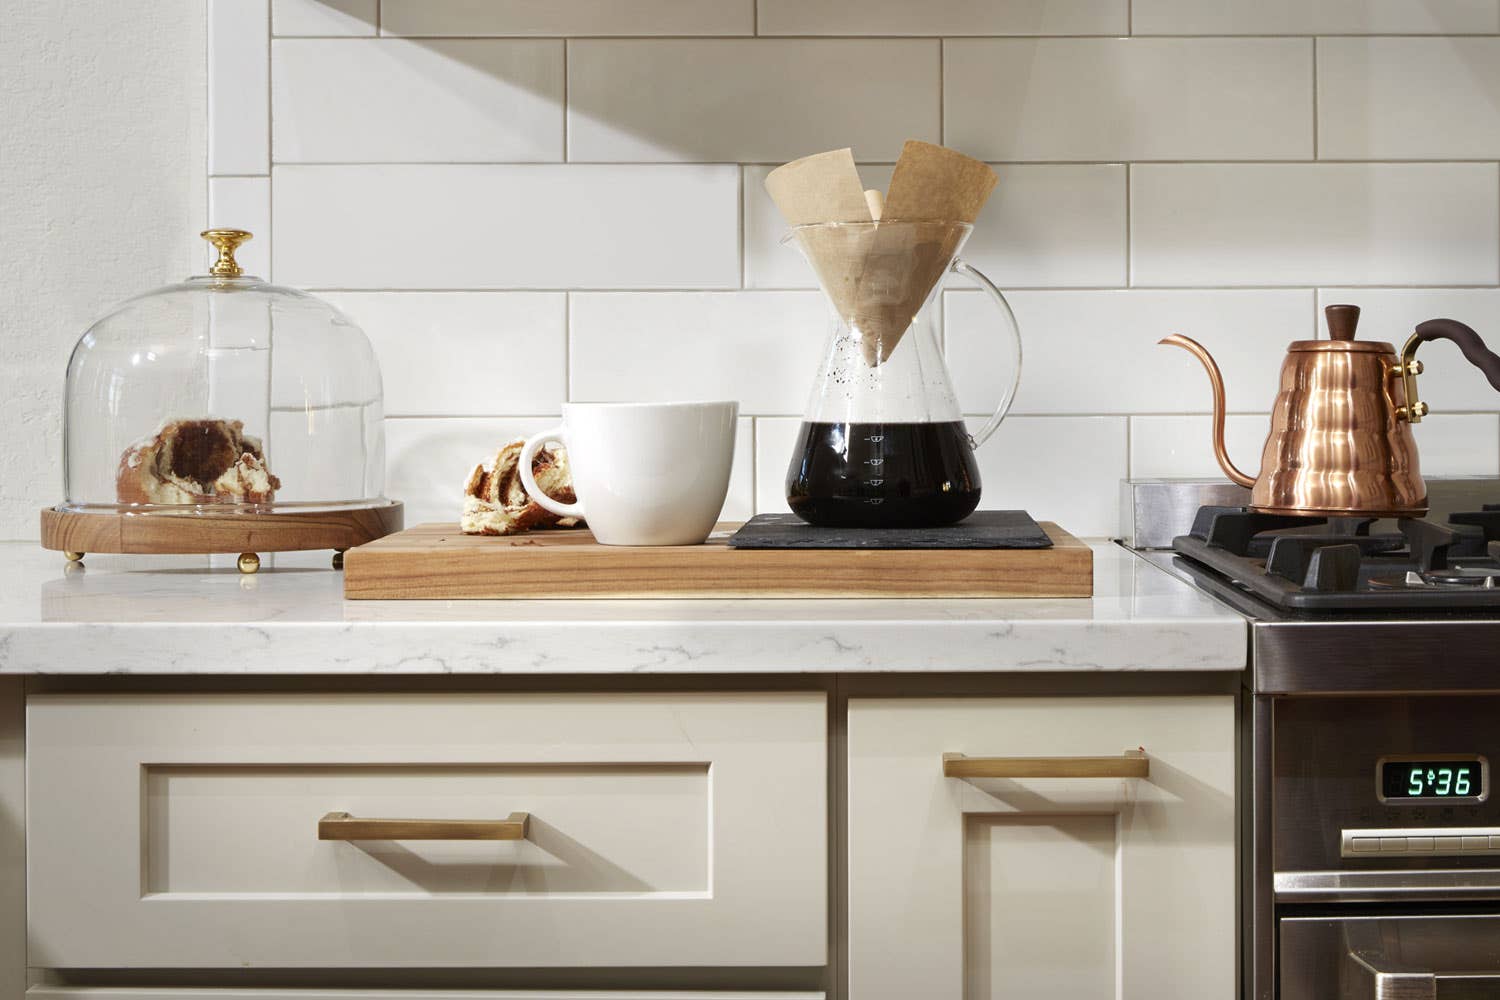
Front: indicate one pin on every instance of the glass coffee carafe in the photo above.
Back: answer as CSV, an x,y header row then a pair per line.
x,y
883,442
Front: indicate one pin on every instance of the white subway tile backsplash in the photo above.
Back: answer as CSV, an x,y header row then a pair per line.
x,y
739,504
1045,225
1313,17
507,226
239,117
1180,447
944,17
529,201
1306,224
429,460
760,348
1459,444
775,437
749,100
1096,351
568,17
1129,98
1408,98
444,101
465,353
341,18
1063,469
242,203
1449,384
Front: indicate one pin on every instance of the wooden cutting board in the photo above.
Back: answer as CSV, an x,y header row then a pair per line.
x,y
437,561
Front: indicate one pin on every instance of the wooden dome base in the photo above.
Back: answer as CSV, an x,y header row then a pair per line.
x,y
163,533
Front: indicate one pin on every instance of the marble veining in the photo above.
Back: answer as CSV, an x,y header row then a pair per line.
x,y
180,615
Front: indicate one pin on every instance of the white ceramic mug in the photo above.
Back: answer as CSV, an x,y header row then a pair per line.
x,y
645,473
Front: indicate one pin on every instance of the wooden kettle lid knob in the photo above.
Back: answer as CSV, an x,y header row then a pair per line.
x,y
1342,319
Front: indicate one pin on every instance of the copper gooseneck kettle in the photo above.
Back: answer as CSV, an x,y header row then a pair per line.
x,y
1341,443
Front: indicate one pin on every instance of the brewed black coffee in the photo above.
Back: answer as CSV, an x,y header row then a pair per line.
x,y
883,475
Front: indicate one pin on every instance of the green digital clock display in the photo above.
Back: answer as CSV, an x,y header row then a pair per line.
x,y
1450,778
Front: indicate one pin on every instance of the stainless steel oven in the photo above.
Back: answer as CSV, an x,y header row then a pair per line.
x,y
1370,844
1385,846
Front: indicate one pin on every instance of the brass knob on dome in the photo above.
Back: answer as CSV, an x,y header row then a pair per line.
x,y
226,241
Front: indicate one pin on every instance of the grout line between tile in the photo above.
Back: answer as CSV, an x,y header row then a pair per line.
x,y
1051,415
1315,114
269,124
1058,289
743,241
754,465
566,46
1102,36
942,91
568,346
1129,250
1105,161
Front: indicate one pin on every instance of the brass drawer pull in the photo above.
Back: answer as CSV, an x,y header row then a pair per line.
x,y
342,826
1130,764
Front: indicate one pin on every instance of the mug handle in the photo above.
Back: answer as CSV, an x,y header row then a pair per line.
x,y
528,480
976,276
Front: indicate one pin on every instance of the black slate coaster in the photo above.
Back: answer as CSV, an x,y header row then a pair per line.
x,y
983,529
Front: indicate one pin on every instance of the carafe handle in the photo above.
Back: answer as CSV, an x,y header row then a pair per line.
x,y
977,276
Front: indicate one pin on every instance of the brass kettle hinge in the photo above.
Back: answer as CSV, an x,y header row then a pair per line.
x,y
1409,368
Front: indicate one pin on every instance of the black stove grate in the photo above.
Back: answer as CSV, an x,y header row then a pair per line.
x,y
1343,564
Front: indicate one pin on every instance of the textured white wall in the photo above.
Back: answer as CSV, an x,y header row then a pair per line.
x,y
102,136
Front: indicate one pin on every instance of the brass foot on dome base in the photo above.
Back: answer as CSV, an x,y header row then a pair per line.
x,y
248,562
73,556
338,558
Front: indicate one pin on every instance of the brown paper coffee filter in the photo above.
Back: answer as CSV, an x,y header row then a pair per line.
x,y
935,183
879,276
823,187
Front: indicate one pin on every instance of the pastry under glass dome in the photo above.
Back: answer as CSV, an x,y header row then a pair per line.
x,y
222,414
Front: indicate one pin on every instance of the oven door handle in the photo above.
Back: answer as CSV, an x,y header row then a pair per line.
x,y
1372,975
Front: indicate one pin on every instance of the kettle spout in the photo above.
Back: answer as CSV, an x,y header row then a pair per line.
x,y
1216,381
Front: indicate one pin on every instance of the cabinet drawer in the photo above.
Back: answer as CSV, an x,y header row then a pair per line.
x,y
653,830
169,993
1060,878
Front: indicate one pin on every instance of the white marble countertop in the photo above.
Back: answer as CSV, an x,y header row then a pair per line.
x,y
175,615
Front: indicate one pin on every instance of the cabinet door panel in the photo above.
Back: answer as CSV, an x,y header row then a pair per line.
x,y
1039,905
1078,887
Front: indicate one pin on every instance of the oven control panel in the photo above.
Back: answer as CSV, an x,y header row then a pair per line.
x,y
1361,783
1420,842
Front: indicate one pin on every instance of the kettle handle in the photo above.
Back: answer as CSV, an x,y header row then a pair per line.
x,y
1008,397
1468,341
1440,329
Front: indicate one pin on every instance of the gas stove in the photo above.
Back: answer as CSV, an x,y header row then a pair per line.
x,y
1310,565
1369,745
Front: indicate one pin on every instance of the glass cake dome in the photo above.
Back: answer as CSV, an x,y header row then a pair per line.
x,y
248,413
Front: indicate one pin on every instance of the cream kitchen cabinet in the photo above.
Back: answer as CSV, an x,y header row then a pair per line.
x,y
1035,885
616,829
173,993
